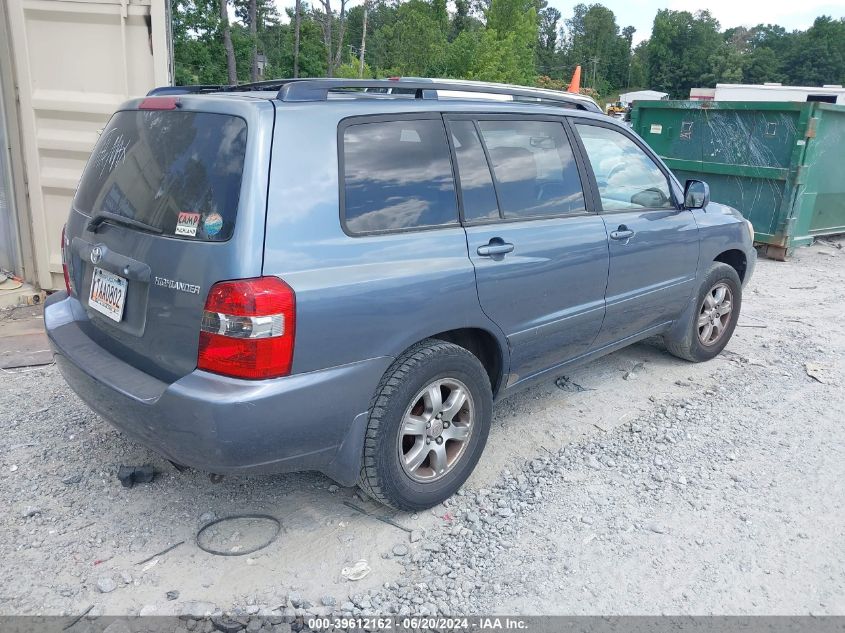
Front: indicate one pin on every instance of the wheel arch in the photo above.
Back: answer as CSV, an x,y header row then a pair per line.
x,y
736,259
484,346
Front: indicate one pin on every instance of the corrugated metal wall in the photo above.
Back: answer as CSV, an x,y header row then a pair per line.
x,y
73,62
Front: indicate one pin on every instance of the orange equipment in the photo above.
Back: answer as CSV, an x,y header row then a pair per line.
x,y
575,84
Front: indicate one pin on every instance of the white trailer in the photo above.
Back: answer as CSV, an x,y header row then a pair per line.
x,y
779,92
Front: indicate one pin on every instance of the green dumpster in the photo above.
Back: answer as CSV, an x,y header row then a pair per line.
x,y
782,164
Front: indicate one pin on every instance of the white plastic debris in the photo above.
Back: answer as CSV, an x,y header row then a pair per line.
x,y
357,571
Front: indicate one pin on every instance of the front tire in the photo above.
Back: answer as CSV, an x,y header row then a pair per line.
x,y
711,324
429,421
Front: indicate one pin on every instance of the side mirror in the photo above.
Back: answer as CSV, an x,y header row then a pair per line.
x,y
696,194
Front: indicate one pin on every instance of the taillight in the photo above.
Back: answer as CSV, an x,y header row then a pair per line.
x,y
159,103
248,328
65,260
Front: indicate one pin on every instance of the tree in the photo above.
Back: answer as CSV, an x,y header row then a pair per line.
x,y
638,68
818,54
461,54
681,51
762,65
327,19
506,49
416,42
197,42
462,20
253,35
440,14
227,43
514,41
297,25
255,16
363,50
594,41
726,66
547,43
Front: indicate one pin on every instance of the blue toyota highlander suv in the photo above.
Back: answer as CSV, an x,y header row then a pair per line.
x,y
335,276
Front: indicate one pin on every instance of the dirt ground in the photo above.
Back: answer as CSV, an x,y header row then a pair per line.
x,y
662,487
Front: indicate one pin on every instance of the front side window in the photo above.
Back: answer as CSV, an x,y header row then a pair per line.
x,y
626,176
535,170
397,175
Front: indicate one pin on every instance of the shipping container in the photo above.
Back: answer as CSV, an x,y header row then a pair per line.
x,y
65,66
779,163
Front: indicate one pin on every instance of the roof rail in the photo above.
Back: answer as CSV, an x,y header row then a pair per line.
x,y
267,84
318,90
272,84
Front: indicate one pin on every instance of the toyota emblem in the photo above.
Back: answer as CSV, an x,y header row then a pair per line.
x,y
96,255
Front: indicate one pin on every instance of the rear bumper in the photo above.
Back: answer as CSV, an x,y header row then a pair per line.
x,y
312,421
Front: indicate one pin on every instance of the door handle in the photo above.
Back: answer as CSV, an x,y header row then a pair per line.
x,y
622,233
496,247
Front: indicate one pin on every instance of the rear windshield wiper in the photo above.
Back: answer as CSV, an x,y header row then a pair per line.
x,y
105,216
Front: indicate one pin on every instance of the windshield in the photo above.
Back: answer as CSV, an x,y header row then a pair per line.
x,y
179,172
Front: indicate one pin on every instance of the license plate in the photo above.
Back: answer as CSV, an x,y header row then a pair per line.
x,y
108,294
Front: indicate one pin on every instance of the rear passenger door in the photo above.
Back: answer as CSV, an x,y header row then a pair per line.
x,y
653,239
540,256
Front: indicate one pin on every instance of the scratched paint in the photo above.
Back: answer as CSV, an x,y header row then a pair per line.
x,y
757,158
112,151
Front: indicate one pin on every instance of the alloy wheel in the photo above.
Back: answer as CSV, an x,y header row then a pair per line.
x,y
715,314
436,429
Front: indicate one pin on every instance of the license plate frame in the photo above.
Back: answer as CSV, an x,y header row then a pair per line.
x,y
108,294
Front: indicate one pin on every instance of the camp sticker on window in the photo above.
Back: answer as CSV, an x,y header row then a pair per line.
x,y
656,128
187,224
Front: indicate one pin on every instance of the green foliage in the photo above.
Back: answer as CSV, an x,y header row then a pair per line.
x,y
462,20
684,52
498,59
440,14
512,41
547,42
416,41
817,55
506,48
349,69
761,65
461,56
312,55
197,42
597,45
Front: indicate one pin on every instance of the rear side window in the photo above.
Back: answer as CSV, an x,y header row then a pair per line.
x,y
535,170
479,196
179,172
397,175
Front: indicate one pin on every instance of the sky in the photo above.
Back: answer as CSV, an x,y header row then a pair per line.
x,y
790,14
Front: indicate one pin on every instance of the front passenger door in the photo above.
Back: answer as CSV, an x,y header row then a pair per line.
x,y
653,239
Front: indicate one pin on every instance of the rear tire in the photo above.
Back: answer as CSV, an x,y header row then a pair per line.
x,y
429,421
711,324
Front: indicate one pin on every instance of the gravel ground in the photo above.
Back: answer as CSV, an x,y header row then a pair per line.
x,y
661,487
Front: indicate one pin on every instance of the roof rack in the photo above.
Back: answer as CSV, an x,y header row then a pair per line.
x,y
272,85
319,89
307,89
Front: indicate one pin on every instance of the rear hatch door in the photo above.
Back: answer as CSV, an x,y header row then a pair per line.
x,y
173,199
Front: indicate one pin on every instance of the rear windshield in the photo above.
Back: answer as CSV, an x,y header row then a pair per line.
x,y
179,172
